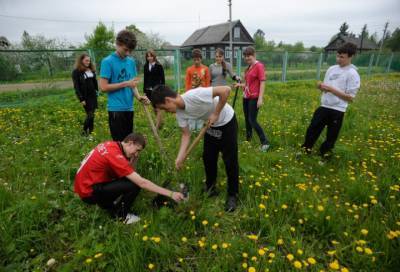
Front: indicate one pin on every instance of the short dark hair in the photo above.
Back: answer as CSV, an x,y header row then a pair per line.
x,y
348,48
249,51
159,93
196,53
127,38
136,138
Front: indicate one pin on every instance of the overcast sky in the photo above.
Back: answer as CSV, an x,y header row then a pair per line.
x,y
311,21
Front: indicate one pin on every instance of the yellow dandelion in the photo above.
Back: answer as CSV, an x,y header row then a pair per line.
x,y
280,242
251,269
184,239
214,246
311,260
334,265
364,232
297,264
151,266
261,252
368,251
290,257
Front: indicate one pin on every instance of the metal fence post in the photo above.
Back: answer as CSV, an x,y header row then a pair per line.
x,y
177,70
319,66
284,66
238,62
371,61
390,63
92,55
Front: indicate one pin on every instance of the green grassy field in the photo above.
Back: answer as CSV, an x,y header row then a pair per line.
x,y
293,214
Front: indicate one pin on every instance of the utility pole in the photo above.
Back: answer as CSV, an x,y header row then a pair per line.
x,y
380,47
230,32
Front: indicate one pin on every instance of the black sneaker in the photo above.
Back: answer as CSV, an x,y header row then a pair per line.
x,y
231,203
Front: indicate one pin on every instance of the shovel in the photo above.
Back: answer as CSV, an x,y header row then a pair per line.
x,y
161,200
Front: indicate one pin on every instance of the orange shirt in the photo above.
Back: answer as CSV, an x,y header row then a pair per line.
x,y
196,77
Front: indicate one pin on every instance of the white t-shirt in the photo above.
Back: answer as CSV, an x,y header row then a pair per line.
x,y
199,105
89,74
345,79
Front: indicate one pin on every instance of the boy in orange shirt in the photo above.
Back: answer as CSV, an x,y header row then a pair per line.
x,y
198,74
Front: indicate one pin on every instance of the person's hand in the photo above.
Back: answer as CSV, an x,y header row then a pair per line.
x,y
144,99
236,85
179,163
83,103
132,83
212,119
260,102
177,197
325,87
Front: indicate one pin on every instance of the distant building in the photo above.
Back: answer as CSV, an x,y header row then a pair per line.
x,y
217,36
362,44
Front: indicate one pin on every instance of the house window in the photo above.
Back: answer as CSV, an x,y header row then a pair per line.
x,y
235,51
204,52
227,52
212,52
236,33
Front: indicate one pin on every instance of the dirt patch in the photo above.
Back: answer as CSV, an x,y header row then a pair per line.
x,y
64,84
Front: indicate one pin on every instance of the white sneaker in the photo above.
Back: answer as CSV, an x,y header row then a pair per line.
x,y
131,218
264,148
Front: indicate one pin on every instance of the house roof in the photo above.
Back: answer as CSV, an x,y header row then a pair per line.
x,y
210,35
366,43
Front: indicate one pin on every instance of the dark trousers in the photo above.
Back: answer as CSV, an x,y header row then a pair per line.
x,y
121,124
324,117
250,115
115,196
222,139
88,124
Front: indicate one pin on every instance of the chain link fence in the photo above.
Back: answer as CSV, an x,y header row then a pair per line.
x,y
20,66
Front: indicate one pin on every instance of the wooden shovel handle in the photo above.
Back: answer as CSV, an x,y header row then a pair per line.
x,y
195,142
154,129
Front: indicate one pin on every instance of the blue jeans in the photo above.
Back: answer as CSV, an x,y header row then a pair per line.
x,y
250,115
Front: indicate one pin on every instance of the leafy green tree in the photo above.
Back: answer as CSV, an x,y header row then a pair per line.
x,y
343,29
102,38
393,42
259,39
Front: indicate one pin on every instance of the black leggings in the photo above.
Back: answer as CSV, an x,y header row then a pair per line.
x,y
222,139
88,125
250,115
115,196
324,117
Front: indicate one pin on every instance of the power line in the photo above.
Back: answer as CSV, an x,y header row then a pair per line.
x,y
104,21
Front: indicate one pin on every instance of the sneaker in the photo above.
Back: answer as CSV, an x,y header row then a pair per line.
x,y
231,203
131,218
264,147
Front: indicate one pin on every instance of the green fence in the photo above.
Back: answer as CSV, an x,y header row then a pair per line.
x,y
54,65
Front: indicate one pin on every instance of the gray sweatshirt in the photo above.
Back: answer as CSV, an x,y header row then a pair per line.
x,y
217,78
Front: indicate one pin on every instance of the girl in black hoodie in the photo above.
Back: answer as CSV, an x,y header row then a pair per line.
x,y
153,76
86,89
